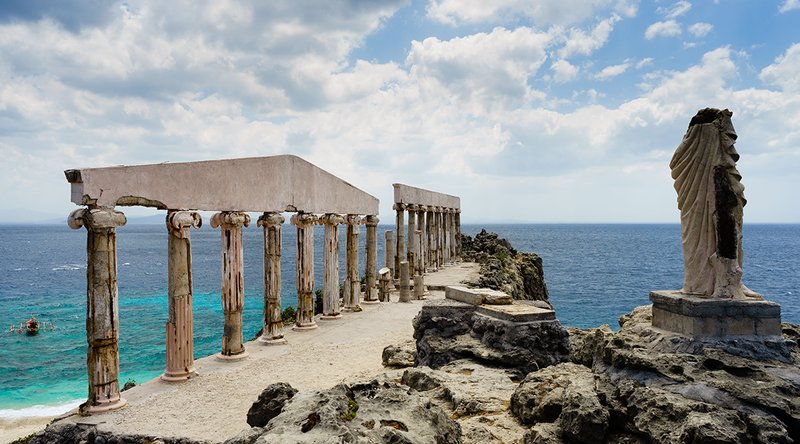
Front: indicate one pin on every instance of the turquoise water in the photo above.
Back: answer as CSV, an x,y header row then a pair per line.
x,y
594,273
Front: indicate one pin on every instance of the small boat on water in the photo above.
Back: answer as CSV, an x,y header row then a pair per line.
x,y
32,326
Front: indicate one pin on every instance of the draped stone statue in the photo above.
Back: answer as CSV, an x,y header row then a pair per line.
x,y
711,198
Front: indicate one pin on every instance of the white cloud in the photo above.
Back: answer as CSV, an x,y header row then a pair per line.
x,y
678,9
543,13
647,61
563,71
789,5
459,115
612,71
700,29
669,28
580,42
484,65
783,72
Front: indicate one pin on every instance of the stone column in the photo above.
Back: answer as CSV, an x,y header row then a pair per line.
x,y
421,257
439,239
272,333
230,223
389,252
330,261
371,293
305,271
180,336
429,238
102,320
451,229
419,280
400,249
352,285
446,236
412,240
458,233
405,282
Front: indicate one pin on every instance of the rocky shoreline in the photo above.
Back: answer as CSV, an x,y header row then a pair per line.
x,y
466,379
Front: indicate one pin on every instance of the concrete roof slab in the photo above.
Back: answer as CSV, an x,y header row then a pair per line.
x,y
274,183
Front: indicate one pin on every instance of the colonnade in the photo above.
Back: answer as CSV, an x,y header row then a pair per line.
x,y
102,324
429,241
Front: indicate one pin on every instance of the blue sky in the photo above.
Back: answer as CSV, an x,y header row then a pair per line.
x,y
546,111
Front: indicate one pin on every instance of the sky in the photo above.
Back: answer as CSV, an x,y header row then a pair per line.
x,y
529,111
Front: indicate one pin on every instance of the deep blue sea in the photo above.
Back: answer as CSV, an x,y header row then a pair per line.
x,y
594,273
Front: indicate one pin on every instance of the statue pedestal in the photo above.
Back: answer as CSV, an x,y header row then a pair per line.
x,y
695,316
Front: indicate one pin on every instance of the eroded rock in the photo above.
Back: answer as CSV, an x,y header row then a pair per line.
x,y
269,403
503,268
380,411
400,355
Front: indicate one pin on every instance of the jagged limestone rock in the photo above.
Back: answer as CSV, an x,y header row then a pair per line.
x,y
503,268
400,355
448,330
379,411
660,387
269,403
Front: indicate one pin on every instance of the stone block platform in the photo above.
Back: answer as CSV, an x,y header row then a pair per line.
x,y
704,317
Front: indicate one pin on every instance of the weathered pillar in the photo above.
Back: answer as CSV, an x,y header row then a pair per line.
x,y
405,282
371,293
446,235
429,235
230,223
102,321
352,285
272,333
305,271
451,233
385,279
419,280
389,251
421,257
180,336
458,233
439,239
400,249
412,241
330,262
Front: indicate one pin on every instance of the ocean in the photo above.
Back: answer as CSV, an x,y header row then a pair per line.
x,y
594,274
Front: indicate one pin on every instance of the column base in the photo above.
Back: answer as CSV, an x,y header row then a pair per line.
x,y
311,326
231,358
331,317
272,341
371,302
352,309
178,377
104,407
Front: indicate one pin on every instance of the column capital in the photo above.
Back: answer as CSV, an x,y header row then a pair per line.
x,y
438,209
96,218
353,219
423,208
399,206
303,220
371,220
330,219
457,210
412,207
230,219
179,222
270,219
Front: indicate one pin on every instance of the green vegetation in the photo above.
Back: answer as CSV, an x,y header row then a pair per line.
x,y
289,314
350,413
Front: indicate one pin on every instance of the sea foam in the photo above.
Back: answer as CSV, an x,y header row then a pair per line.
x,y
40,410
